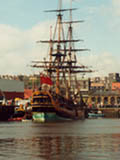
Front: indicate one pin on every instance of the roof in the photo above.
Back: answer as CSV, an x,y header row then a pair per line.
x,y
11,85
27,93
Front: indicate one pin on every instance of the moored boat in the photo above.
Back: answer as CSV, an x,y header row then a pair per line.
x,y
95,115
21,113
48,106
59,96
6,111
18,115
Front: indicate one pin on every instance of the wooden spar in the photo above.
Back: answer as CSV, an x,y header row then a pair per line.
x,y
81,71
72,61
61,10
74,50
67,22
73,71
60,67
60,41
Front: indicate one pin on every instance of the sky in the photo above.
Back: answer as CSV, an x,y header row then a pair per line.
x,y
23,22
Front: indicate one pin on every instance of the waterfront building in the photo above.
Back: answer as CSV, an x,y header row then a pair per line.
x,y
11,89
104,83
97,86
114,77
104,90
84,86
103,98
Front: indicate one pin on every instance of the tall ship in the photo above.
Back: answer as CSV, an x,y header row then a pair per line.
x,y
59,96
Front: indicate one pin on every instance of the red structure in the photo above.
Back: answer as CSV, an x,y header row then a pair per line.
x,y
12,95
116,86
27,93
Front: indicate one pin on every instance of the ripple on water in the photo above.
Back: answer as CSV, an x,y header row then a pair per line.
x,y
80,140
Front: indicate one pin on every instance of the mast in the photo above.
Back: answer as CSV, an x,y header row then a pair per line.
x,y
58,46
70,43
51,49
70,50
62,58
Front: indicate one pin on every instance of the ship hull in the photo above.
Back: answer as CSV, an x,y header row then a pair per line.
x,y
57,116
47,107
6,112
71,114
45,117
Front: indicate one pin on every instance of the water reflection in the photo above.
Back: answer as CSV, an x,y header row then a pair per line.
x,y
55,142
65,147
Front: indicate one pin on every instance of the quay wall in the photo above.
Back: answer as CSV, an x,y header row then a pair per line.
x,y
110,112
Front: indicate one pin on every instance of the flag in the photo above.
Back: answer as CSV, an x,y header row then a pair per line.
x,y
45,79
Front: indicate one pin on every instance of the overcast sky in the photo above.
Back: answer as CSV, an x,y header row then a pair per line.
x,y
23,22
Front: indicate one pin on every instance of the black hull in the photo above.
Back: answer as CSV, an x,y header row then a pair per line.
x,y
6,111
66,107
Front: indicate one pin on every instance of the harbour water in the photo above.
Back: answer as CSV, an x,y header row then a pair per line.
x,y
91,139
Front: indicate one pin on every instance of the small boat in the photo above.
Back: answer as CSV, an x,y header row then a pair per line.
x,y
21,114
18,115
15,119
98,114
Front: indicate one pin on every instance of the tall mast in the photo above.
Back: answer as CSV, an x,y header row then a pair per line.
x,y
58,47
70,38
51,49
62,58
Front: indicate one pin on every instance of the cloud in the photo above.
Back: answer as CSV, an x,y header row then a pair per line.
x,y
102,64
18,47
112,12
116,7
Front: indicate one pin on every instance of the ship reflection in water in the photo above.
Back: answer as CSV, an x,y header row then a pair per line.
x,y
95,139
